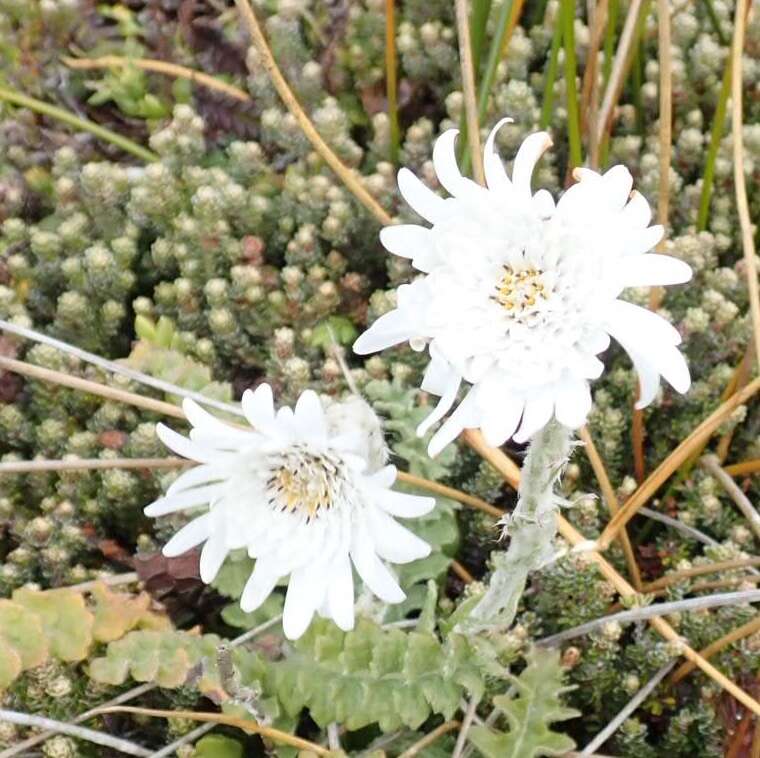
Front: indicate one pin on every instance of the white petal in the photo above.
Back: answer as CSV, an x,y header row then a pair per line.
x,y
637,214
401,504
309,414
185,499
394,542
538,411
210,428
650,269
671,364
496,177
500,423
572,403
340,594
532,148
422,199
189,536
260,584
617,183
258,407
212,557
641,322
410,241
203,474
445,164
443,406
649,379
465,416
543,202
390,329
300,602
184,447
384,477
643,241
372,570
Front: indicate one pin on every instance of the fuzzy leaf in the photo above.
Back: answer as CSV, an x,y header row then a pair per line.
x,y
66,622
10,665
118,613
21,633
531,713
218,746
372,675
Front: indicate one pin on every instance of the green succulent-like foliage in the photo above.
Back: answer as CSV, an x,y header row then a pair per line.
x,y
374,675
530,714
60,624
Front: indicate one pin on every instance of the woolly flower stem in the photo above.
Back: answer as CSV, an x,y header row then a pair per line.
x,y
531,528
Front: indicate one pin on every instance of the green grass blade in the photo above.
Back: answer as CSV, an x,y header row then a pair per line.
x,y
81,124
567,12
550,77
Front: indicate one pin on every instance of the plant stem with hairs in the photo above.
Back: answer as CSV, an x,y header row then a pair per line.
x,y
531,528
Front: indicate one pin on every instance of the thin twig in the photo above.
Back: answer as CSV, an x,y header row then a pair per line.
x,y
651,611
255,632
344,173
627,710
618,73
185,739
160,67
707,568
742,207
739,379
117,368
508,468
90,464
115,580
468,87
679,526
94,388
79,732
608,493
745,630
21,747
81,124
711,465
469,715
625,590
702,433
429,739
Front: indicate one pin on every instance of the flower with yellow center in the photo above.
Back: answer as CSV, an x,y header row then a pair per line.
x,y
520,295
305,492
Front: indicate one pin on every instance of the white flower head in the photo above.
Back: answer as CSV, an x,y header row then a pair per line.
x,y
305,492
520,295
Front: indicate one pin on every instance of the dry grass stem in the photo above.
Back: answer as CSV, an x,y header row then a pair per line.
x,y
742,207
708,568
90,464
450,492
345,174
94,388
617,75
247,725
715,647
655,480
429,739
468,87
160,67
608,493
743,468
462,572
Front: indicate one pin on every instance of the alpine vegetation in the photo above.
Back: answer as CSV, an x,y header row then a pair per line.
x,y
520,294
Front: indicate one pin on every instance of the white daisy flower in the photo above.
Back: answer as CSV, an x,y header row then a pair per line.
x,y
306,493
520,295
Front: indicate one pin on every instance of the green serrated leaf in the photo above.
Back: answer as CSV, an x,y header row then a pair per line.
x,y
530,713
21,631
